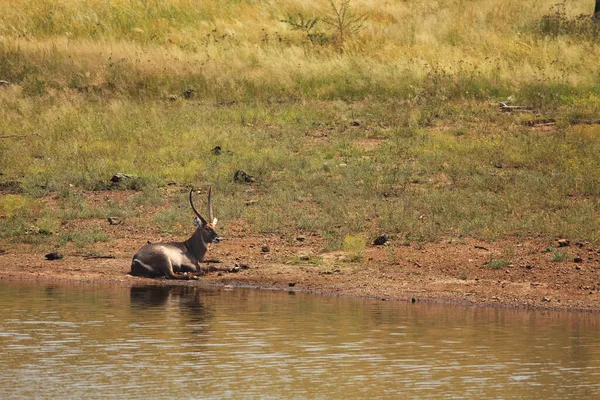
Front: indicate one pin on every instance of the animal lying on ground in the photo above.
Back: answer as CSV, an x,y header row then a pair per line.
x,y
166,259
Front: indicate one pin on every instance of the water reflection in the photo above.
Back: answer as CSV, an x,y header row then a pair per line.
x,y
184,300
182,342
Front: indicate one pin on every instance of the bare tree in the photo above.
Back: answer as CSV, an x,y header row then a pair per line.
x,y
345,21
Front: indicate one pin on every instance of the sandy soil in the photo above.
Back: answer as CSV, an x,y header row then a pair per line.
x,y
445,272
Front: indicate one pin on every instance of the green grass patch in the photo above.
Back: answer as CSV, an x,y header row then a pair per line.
x,y
560,256
355,245
84,238
496,263
343,138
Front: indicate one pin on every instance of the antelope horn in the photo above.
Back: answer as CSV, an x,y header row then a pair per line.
x,y
211,217
194,208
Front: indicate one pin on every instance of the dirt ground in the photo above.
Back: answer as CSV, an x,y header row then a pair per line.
x,y
443,272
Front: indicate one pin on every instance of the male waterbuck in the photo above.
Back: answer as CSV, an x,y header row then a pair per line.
x,y
164,259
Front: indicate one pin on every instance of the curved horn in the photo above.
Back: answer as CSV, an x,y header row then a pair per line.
x,y
211,217
194,208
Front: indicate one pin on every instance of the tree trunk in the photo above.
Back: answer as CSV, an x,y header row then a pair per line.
x,y
597,11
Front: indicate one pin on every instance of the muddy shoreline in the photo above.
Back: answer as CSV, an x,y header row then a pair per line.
x,y
450,273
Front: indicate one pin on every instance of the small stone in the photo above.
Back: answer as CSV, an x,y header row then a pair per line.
x,y
301,238
354,123
243,177
265,249
413,299
172,97
563,242
546,299
119,176
291,284
380,240
578,259
115,220
188,93
54,256
234,270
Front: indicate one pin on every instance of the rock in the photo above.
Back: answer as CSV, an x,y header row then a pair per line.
x,y
4,83
291,284
120,177
115,220
243,177
563,242
234,270
188,93
2,251
380,240
546,299
54,256
265,249
172,97
578,259
301,238
354,123
580,244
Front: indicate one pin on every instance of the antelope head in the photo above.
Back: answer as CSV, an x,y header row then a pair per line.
x,y
204,228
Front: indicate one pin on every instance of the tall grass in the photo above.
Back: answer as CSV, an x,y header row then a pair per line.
x,y
242,50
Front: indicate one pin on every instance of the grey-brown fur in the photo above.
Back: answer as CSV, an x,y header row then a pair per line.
x,y
165,259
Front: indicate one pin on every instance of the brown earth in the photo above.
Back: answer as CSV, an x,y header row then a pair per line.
x,y
451,271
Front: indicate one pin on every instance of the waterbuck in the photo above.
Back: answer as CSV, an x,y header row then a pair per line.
x,y
164,259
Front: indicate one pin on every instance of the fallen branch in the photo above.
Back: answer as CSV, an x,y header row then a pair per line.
x,y
552,121
93,257
19,136
540,122
211,261
506,108
584,121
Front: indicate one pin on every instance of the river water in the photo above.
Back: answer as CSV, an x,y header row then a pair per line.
x,y
90,341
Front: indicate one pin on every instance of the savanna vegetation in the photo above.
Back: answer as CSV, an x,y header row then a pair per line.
x,y
354,117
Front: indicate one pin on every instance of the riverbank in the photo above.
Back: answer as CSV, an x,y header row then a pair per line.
x,y
457,272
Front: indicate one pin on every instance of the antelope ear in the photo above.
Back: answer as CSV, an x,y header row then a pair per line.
x,y
197,222
215,222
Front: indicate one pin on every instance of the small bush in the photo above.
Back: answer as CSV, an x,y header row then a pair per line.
x,y
560,256
496,263
557,23
355,246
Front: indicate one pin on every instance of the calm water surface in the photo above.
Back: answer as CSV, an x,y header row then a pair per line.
x,y
95,341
